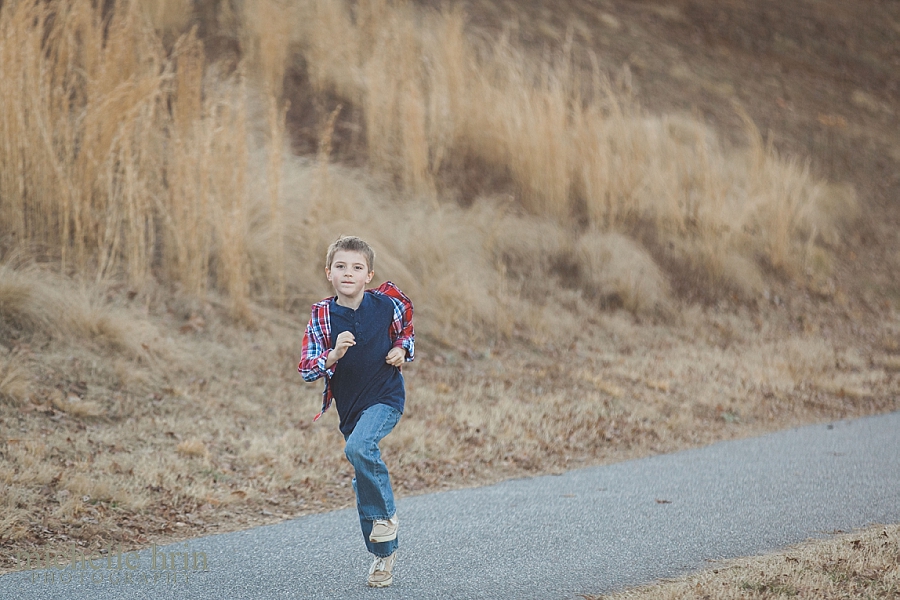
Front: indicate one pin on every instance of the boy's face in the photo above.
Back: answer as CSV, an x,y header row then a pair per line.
x,y
349,273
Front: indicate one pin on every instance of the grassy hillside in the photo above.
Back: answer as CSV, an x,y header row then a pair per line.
x,y
156,166
170,179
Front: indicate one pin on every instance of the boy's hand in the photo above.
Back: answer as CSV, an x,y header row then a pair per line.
x,y
343,342
396,357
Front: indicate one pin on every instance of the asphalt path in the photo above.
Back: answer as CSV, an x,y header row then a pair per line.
x,y
588,531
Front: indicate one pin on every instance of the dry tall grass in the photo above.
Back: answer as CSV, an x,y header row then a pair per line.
x,y
170,18
266,45
14,382
125,156
118,157
36,304
435,101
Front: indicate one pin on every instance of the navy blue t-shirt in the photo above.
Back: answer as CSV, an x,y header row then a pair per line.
x,y
362,378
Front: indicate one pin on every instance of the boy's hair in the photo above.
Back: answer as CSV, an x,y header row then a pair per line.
x,y
351,243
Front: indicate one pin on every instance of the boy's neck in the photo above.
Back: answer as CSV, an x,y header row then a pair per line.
x,y
351,302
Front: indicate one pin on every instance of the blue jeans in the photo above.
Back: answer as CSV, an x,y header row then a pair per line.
x,y
372,484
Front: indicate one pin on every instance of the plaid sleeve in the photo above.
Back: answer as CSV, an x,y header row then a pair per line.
x,y
402,332
316,346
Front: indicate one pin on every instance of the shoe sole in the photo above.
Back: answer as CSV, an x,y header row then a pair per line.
x,y
383,538
381,584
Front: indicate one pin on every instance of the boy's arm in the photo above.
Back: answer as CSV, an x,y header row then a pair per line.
x,y
402,332
406,338
313,362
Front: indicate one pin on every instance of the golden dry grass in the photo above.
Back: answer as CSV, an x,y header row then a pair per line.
x,y
149,391
851,566
14,383
39,302
208,427
160,165
576,150
118,160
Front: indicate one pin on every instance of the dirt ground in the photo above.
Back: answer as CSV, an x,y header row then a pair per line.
x,y
820,79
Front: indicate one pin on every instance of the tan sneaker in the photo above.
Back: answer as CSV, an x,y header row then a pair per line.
x,y
380,573
384,530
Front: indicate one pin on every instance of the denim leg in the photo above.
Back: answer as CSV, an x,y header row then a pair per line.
x,y
372,484
382,549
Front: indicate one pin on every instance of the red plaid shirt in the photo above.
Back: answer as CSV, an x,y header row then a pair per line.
x,y
317,339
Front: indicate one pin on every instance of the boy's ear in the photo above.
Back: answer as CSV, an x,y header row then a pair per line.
x,y
370,276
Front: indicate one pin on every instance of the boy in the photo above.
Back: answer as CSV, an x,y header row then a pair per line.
x,y
358,340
